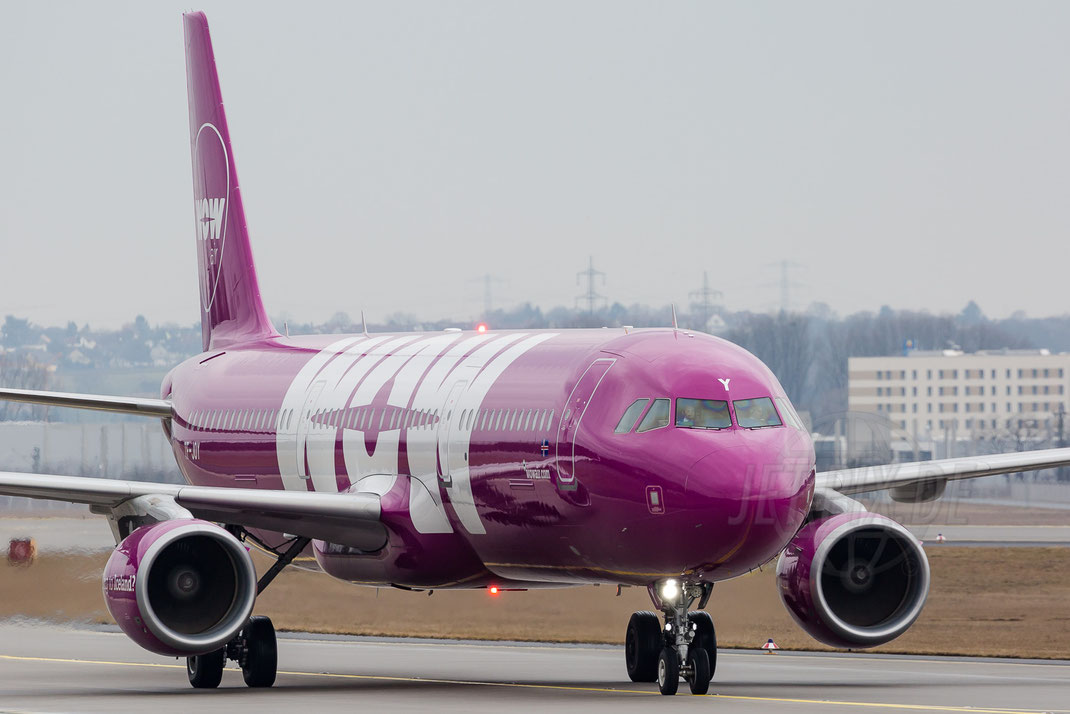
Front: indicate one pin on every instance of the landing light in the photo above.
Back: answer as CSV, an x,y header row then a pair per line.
x,y
493,589
670,589
481,328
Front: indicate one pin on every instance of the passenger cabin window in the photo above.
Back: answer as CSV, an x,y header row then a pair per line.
x,y
702,414
631,415
657,417
756,413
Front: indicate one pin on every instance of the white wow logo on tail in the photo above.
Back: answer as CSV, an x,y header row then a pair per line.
x,y
209,217
211,191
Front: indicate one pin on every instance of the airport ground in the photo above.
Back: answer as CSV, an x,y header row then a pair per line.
x,y
45,668
985,600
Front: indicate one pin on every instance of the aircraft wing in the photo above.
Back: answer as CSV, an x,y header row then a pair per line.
x,y
124,405
345,518
934,474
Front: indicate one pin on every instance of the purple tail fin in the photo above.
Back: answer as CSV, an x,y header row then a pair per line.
x,y
231,309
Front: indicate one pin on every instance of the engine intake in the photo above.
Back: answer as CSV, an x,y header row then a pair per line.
x,y
854,579
180,587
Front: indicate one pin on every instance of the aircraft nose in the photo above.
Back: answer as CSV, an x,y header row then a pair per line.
x,y
757,487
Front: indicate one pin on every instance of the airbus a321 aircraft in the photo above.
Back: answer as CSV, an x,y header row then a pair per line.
x,y
501,459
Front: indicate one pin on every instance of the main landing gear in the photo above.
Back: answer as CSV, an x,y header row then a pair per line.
x,y
686,646
254,648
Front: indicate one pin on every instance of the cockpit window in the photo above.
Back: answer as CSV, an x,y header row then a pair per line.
x,y
657,417
631,415
756,413
789,414
702,414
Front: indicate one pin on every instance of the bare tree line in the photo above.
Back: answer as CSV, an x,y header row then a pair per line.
x,y
22,371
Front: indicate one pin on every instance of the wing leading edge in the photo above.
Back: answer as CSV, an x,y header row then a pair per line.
x,y
350,519
138,406
921,473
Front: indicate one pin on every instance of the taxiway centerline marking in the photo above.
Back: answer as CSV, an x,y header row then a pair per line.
x,y
358,640
520,685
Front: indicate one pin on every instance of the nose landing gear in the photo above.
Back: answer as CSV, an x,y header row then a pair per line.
x,y
685,647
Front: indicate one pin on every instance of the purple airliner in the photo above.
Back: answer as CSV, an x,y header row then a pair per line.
x,y
661,458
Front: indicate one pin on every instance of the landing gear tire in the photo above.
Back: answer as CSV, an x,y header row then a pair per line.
x,y
206,671
642,644
705,636
668,671
262,653
699,678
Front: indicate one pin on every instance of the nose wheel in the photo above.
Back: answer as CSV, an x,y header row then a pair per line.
x,y
642,646
685,647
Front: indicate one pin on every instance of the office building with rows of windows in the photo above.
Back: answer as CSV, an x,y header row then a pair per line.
x,y
950,394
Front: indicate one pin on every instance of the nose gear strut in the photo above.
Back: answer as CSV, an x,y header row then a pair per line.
x,y
686,646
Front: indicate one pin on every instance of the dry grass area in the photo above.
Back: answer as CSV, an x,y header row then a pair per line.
x,y
1011,602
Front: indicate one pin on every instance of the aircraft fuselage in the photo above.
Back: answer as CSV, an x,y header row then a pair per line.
x,y
496,455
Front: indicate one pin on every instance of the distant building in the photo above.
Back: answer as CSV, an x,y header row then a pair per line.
x,y
949,395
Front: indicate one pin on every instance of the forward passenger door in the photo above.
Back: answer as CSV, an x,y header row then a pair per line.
x,y
571,420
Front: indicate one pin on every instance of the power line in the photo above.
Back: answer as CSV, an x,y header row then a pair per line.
x,y
590,296
704,301
489,281
786,283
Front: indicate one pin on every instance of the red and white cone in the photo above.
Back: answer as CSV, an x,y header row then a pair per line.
x,y
770,647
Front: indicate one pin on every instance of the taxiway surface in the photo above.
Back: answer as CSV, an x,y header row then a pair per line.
x,y
46,668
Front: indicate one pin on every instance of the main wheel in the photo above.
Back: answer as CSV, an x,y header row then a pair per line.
x,y
699,679
668,671
262,657
642,643
705,636
206,671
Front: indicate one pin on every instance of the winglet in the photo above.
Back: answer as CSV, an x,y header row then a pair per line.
x,y
675,326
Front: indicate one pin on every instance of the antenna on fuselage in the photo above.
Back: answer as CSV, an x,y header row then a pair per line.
x,y
363,323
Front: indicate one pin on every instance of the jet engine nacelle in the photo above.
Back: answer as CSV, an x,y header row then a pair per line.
x,y
180,587
854,580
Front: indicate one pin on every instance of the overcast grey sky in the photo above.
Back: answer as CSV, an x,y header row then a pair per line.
x,y
915,154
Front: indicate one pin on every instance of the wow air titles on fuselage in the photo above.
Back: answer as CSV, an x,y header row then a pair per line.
x,y
507,441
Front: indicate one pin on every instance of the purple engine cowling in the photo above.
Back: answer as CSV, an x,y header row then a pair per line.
x,y
181,587
854,580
